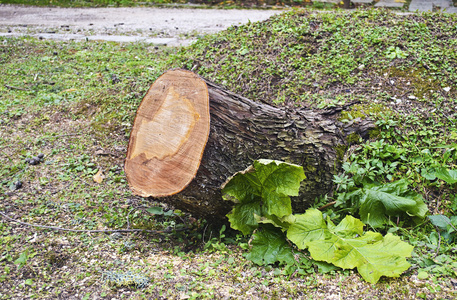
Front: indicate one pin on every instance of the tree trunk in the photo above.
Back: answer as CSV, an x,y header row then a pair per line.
x,y
242,131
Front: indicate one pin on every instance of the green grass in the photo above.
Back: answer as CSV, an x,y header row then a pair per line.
x,y
307,59
75,102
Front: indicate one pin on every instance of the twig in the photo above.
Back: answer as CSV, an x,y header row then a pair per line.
x,y
128,217
82,230
327,205
204,232
15,88
452,226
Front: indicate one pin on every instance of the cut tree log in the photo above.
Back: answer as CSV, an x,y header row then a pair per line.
x,y
242,131
169,135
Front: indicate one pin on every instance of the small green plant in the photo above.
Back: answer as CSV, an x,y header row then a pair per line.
x,y
446,226
157,210
81,164
263,207
378,203
22,259
395,52
217,244
443,173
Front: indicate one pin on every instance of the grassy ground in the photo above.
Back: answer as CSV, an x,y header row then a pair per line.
x,y
75,102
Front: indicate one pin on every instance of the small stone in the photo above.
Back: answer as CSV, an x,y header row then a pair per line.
x,y
447,89
33,162
99,152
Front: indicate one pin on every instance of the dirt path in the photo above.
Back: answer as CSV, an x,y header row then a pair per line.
x,y
156,25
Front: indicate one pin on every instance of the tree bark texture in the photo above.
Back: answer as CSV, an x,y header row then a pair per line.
x,y
242,131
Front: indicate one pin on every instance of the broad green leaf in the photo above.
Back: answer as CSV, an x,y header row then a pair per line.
x,y
308,227
169,213
428,174
277,204
324,267
242,217
241,188
386,257
345,246
268,184
282,177
342,252
440,221
348,227
279,180
392,199
450,176
269,246
282,223
155,210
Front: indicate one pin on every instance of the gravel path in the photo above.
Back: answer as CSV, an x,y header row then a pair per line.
x,y
172,26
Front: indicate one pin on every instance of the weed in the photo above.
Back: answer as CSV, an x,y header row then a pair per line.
x,y
395,52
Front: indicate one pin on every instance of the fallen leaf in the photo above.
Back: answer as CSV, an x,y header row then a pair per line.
x,y
98,178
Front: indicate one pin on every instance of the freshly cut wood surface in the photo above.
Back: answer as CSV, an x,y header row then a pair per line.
x,y
169,135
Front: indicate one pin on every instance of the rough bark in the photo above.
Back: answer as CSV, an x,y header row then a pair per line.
x,y
242,131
